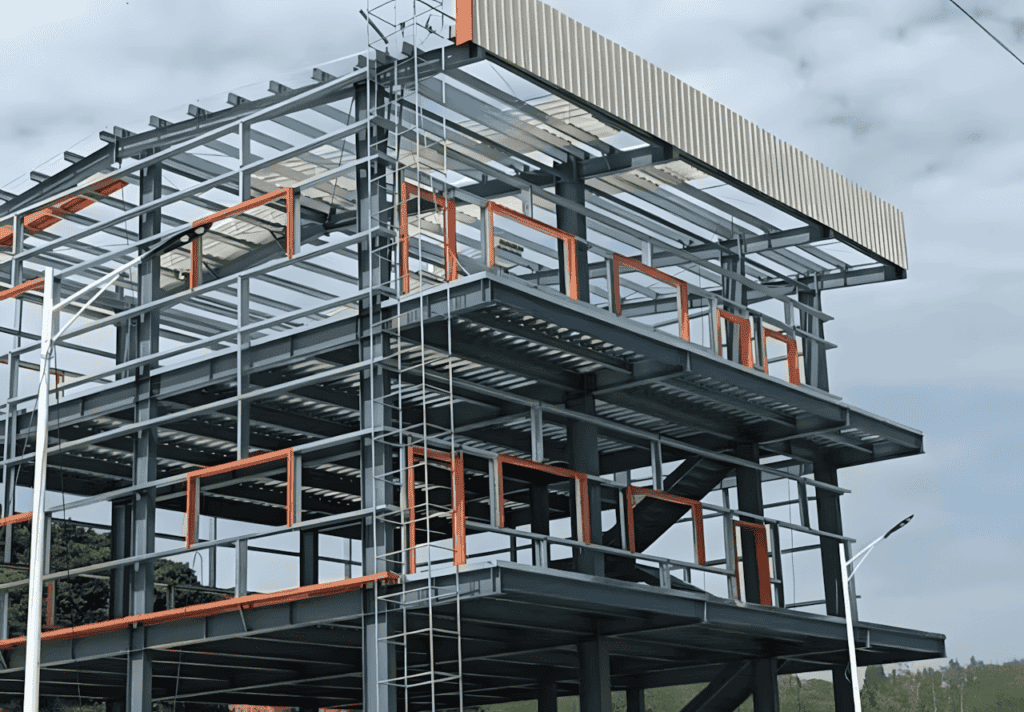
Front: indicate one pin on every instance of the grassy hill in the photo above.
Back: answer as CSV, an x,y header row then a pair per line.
x,y
976,687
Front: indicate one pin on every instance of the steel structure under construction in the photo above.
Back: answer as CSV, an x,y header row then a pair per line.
x,y
490,363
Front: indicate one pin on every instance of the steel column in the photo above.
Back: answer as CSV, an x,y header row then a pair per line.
x,y
595,675
635,700
830,520
574,223
144,461
750,499
379,655
547,696
815,354
585,457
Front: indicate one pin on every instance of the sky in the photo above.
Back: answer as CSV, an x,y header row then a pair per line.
x,y
911,100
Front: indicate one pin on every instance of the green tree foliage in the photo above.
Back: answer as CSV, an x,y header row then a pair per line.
x,y
985,688
86,599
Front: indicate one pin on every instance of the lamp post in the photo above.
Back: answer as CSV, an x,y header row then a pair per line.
x,y
49,337
847,578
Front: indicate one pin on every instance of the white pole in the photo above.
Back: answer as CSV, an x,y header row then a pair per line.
x,y
36,545
854,680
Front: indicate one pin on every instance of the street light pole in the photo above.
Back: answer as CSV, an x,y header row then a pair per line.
x,y
50,334
847,578
33,642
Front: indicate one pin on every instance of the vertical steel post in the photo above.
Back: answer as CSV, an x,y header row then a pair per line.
x,y
750,499
833,574
37,552
10,483
547,696
242,408
379,655
595,675
139,693
573,188
242,567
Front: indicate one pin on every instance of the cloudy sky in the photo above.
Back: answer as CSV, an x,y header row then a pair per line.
x,y
909,99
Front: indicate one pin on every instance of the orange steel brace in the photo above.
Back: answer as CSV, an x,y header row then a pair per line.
x,y
746,353
289,231
568,239
695,509
16,519
763,575
463,21
582,491
682,289
191,509
204,610
19,289
451,270
42,219
792,356
417,454
51,604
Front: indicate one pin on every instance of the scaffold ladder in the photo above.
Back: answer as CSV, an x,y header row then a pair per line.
x,y
416,401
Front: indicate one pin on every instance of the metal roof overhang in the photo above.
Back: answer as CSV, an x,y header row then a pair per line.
x,y
576,61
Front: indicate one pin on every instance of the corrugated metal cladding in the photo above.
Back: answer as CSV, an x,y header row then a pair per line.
x,y
559,50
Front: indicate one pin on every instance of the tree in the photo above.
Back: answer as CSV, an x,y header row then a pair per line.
x,y
86,599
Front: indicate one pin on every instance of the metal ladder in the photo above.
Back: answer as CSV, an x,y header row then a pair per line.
x,y
416,399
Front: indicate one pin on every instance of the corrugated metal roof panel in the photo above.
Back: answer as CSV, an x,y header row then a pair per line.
x,y
548,44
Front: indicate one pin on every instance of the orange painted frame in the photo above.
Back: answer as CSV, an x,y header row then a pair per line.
x,y
682,296
416,454
761,543
42,219
16,519
191,509
289,231
746,352
451,269
463,21
792,355
582,491
203,610
695,508
568,239
19,289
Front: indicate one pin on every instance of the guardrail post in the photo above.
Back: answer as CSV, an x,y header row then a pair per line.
x,y
242,567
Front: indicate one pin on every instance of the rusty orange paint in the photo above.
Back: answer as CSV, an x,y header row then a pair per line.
x,y
42,219
761,553
746,352
582,490
287,193
682,289
195,263
457,468
204,610
447,208
19,289
16,519
463,21
792,355
567,239
191,509
695,508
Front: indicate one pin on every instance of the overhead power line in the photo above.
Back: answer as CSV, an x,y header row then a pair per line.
x,y
975,21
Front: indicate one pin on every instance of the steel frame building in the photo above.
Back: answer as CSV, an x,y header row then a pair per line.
x,y
510,342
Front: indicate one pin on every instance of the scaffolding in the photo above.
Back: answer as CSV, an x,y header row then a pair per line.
x,y
497,367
